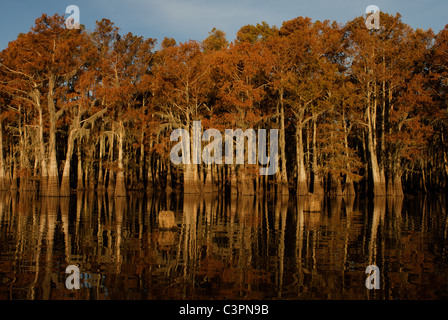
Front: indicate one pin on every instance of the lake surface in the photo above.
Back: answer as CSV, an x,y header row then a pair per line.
x,y
245,248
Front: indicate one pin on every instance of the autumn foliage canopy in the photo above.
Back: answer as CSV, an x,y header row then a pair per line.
x,y
357,110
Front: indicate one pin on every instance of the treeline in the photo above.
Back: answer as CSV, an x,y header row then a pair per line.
x,y
357,110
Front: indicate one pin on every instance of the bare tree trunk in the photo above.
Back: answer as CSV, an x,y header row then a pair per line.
x,y
336,188
65,183
3,185
398,186
80,184
349,189
192,183
111,177
53,176
208,184
191,179
215,178
283,187
14,185
302,187
318,188
169,183
111,184
150,182
233,180
86,176
247,184
120,187
445,160
157,182
140,183
43,162
379,183
100,186
379,180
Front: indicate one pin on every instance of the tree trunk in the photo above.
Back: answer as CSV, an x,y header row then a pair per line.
x,y
111,177
379,183
100,186
157,182
233,180
318,188
3,185
349,189
141,163
246,183
150,183
111,182
208,184
336,189
14,185
44,173
169,183
397,186
302,187
379,180
283,187
53,176
65,183
191,179
120,187
80,183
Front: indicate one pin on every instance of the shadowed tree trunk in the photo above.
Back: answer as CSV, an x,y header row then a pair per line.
x,y
3,185
14,185
233,180
80,183
100,186
283,183
349,189
397,186
141,164
208,184
169,178
336,188
111,176
246,184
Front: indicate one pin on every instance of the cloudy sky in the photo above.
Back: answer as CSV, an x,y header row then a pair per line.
x,y
193,19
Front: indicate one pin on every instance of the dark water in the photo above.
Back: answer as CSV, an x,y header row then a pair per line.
x,y
250,248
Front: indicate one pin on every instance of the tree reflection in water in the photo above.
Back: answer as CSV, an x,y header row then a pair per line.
x,y
252,247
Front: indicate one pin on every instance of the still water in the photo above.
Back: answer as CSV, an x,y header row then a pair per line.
x,y
245,248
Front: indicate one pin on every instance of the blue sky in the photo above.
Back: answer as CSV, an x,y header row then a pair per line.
x,y
193,19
